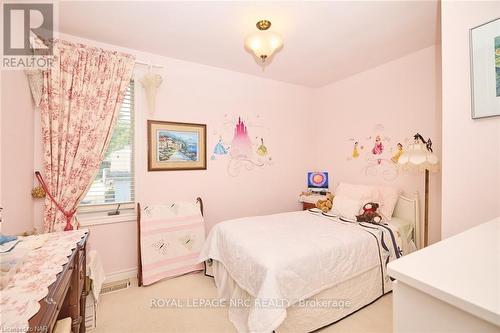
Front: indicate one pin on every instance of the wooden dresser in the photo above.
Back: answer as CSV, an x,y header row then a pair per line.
x,y
66,297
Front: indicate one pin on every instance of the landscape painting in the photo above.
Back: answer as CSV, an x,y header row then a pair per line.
x,y
485,69
497,63
176,146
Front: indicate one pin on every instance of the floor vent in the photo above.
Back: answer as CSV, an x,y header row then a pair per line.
x,y
115,286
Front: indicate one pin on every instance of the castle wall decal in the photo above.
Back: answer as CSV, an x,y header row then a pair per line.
x,y
242,152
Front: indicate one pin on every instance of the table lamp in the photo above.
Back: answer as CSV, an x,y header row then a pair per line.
x,y
419,156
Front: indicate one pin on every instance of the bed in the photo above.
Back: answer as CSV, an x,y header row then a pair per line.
x,y
300,271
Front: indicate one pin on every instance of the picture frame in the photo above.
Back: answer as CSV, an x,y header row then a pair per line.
x,y
176,146
485,69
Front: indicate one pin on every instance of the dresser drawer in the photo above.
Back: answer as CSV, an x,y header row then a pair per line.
x,y
55,298
63,283
65,296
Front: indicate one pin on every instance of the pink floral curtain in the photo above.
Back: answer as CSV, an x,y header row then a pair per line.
x,y
82,94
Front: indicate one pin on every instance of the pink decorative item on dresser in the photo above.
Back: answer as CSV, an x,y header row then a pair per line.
x,y
82,94
170,239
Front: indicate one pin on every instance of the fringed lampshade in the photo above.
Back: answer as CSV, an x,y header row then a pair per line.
x,y
419,156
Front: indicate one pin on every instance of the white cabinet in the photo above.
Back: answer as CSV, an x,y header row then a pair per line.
x,y
451,286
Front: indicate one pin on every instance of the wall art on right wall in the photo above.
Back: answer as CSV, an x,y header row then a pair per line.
x,y
485,69
497,63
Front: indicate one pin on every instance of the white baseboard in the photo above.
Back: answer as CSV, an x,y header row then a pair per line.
x,y
121,275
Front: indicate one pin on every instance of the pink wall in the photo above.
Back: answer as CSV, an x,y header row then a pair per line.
x,y
17,131
471,155
400,92
190,93
402,96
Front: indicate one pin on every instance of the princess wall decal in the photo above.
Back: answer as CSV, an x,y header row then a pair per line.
x,y
245,152
378,148
380,157
398,153
262,150
219,149
355,152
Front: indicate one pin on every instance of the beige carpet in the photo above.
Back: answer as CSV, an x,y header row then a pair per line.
x,y
131,310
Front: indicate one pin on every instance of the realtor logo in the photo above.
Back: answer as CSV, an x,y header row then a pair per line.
x,y
22,23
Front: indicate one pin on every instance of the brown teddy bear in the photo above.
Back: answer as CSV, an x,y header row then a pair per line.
x,y
326,204
370,213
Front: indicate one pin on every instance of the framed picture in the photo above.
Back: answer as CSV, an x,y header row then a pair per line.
x,y
485,69
176,146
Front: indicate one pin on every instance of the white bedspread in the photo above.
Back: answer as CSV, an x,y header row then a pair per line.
x,y
284,258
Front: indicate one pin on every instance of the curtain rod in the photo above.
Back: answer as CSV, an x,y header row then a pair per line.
x,y
148,64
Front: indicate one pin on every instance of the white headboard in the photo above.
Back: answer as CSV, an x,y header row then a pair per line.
x,y
407,209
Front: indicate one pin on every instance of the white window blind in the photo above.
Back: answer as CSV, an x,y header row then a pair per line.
x,y
114,182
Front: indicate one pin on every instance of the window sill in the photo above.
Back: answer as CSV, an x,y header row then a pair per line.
x,y
86,220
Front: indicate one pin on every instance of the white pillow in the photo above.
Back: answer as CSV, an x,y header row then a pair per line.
x,y
346,207
363,193
388,198
385,196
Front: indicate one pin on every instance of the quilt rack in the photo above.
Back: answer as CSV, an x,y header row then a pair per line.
x,y
140,279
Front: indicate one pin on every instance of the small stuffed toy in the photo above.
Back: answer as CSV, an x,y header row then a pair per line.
x,y
325,205
370,213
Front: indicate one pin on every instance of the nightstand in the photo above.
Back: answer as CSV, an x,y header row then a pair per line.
x,y
309,201
308,205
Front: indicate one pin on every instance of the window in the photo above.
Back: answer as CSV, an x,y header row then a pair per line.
x,y
114,182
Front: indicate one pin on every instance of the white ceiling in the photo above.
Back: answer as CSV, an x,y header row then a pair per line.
x,y
324,41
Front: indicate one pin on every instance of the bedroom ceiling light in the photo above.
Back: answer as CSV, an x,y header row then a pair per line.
x,y
264,43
